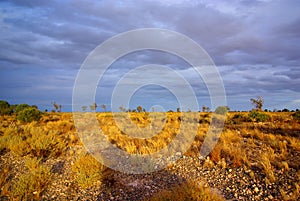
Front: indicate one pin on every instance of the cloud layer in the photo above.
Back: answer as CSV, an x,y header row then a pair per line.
x,y
255,45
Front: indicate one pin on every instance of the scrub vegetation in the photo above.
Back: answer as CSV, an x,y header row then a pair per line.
x,y
256,140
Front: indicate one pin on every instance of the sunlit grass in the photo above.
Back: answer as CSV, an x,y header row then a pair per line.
x,y
55,134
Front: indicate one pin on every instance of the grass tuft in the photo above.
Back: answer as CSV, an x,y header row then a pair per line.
x,y
87,170
29,186
189,191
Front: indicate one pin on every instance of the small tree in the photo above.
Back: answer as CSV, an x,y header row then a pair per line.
x,y
178,109
258,103
122,109
84,107
139,108
93,107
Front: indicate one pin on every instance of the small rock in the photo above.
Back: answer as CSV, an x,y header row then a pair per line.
x,y
178,154
256,189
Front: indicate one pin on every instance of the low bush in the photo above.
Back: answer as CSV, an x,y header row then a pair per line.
x,y
222,110
259,117
239,118
29,114
21,107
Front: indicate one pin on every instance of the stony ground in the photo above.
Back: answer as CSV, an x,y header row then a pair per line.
x,y
232,183
243,182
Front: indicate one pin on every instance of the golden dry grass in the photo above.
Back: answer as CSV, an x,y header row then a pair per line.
x,y
268,145
87,170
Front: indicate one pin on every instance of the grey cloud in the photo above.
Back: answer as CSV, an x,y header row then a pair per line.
x,y
255,44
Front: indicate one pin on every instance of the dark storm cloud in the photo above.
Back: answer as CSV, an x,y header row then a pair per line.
x,y
255,44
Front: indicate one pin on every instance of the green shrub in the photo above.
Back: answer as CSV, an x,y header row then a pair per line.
x,y
259,117
5,108
296,115
222,110
29,114
21,107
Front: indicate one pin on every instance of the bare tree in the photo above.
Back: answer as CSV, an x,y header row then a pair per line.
x,y
103,107
56,106
258,102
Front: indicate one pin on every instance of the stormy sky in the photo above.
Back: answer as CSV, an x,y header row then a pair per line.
x,y
255,45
